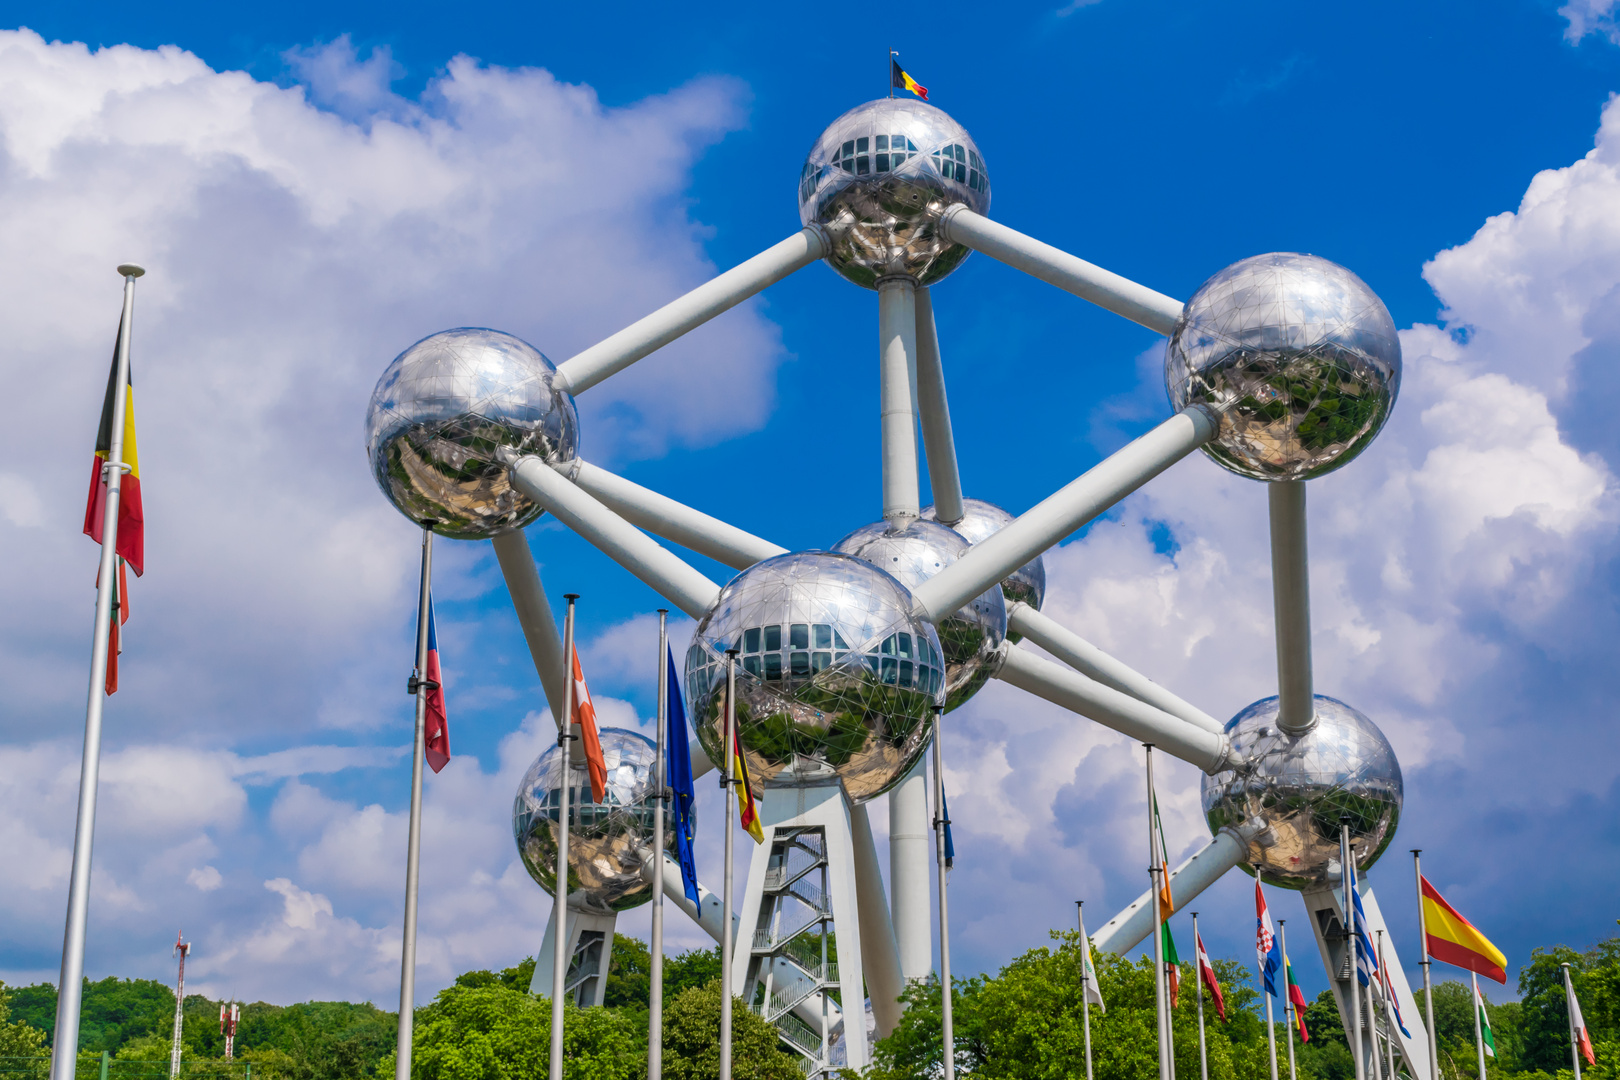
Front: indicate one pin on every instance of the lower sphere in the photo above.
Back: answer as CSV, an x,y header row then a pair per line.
x,y
982,519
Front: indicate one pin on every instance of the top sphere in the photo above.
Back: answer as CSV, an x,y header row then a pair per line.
x,y
1297,357
981,519
877,181
607,843
1298,787
444,414
836,676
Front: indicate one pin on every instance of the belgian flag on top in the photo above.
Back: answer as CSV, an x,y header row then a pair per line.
x,y
131,519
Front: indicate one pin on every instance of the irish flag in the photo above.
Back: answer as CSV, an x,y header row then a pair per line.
x,y
1452,939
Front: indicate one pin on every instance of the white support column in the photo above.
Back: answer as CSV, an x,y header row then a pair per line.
x,y
590,987
1140,721
909,860
1291,602
620,541
935,411
1104,288
675,522
1124,931
579,373
897,373
1093,663
533,612
1091,494
880,953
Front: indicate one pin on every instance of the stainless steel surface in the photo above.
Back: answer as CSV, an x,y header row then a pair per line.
x,y
836,673
1298,357
1297,786
980,519
413,843
969,636
897,398
610,844
1291,605
880,950
440,414
878,179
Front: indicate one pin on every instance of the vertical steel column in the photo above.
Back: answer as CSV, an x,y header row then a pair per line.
x,y
908,870
935,412
1291,603
1155,877
1349,908
413,843
559,915
655,985
897,374
1085,983
1428,989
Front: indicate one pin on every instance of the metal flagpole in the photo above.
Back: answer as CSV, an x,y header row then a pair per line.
x,y
179,1008
1288,998
1198,963
1479,1035
1271,1024
560,950
1375,1068
1569,1010
418,685
1428,990
1085,982
655,986
728,783
1154,870
1346,875
947,1022
70,988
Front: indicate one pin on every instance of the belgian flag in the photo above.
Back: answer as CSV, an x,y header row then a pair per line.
x,y
901,81
131,519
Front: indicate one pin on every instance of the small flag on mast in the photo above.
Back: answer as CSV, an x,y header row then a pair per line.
x,y
899,80
1172,963
1452,939
131,518
950,843
1267,949
747,812
436,722
1297,998
1366,958
1487,1038
1206,971
1394,1002
1583,1036
1093,987
115,627
1167,900
585,717
678,766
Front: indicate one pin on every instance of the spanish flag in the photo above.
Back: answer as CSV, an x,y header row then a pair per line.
x,y
1452,939
901,81
747,812
131,520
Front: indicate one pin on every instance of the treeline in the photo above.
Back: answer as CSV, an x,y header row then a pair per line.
x,y
1023,1022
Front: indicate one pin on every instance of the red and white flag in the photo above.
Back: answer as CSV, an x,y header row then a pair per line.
x,y
1206,972
1583,1037
585,717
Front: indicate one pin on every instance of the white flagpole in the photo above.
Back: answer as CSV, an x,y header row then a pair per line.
x,y
728,784
1198,965
1154,870
946,1005
418,686
1271,1025
1428,990
1288,998
1346,876
1375,1067
655,988
70,989
1085,982
560,951
1569,1008
1479,1034
1390,1023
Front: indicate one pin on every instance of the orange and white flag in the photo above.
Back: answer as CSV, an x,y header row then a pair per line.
x,y
585,717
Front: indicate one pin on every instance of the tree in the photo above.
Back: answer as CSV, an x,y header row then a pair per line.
x,y
692,1040
17,1039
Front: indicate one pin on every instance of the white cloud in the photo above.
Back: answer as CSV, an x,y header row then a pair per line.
x,y
206,879
1590,17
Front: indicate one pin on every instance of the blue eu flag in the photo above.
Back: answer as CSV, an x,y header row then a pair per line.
x,y
678,765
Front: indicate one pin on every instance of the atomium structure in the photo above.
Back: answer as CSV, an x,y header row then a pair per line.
x,y
1280,368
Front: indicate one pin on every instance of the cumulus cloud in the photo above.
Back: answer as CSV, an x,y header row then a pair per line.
x,y
1590,17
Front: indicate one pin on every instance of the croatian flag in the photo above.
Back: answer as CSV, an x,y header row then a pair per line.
x,y
436,724
1268,950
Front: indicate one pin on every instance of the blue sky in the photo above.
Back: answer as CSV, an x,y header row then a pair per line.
x,y
314,187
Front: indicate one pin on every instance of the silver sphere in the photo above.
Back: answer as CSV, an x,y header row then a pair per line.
x,y
1298,358
981,519
969,637
836,676
445,411
877,181
1299,787
607,844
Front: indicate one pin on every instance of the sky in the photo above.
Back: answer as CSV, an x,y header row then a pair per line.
x,y
312,188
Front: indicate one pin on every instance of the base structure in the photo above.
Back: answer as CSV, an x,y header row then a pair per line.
x,y
799,911
590,946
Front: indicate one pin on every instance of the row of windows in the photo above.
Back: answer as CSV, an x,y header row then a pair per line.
x,y
901,659
963,166
883,153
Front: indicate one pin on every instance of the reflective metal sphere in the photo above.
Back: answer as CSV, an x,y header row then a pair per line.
x,y
443,411
1028,582
878,180
971,636
1299,787
1298,358
607,843
836,673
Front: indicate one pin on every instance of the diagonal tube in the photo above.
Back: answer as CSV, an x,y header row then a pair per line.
x,y
675,522
1291,604
880,949
714,297
1207,750
534,613
1095,491
1122,933
939,443
1093,663
1104,288
615,537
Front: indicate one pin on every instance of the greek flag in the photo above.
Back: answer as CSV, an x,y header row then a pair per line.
x,y
1366,958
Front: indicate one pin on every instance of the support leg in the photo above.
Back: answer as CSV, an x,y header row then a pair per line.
x,y
939,441
908,873
1124,931
880,953
897,368
534,613
1291,601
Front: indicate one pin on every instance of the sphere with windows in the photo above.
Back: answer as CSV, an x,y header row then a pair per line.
x,y
878,180
836,677
981,520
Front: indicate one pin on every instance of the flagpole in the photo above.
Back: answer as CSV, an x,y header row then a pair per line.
x,y
1198,962
941,822
1388,990
728,933
1271,1024
70,989
413,844
1428,990
559,915
1569,1009
1375,1067
1479,1035
1347,873
1288,996
655,986
1085,982
1158,923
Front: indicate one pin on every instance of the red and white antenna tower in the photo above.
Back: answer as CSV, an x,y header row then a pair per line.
x,y
229,1016
182,947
